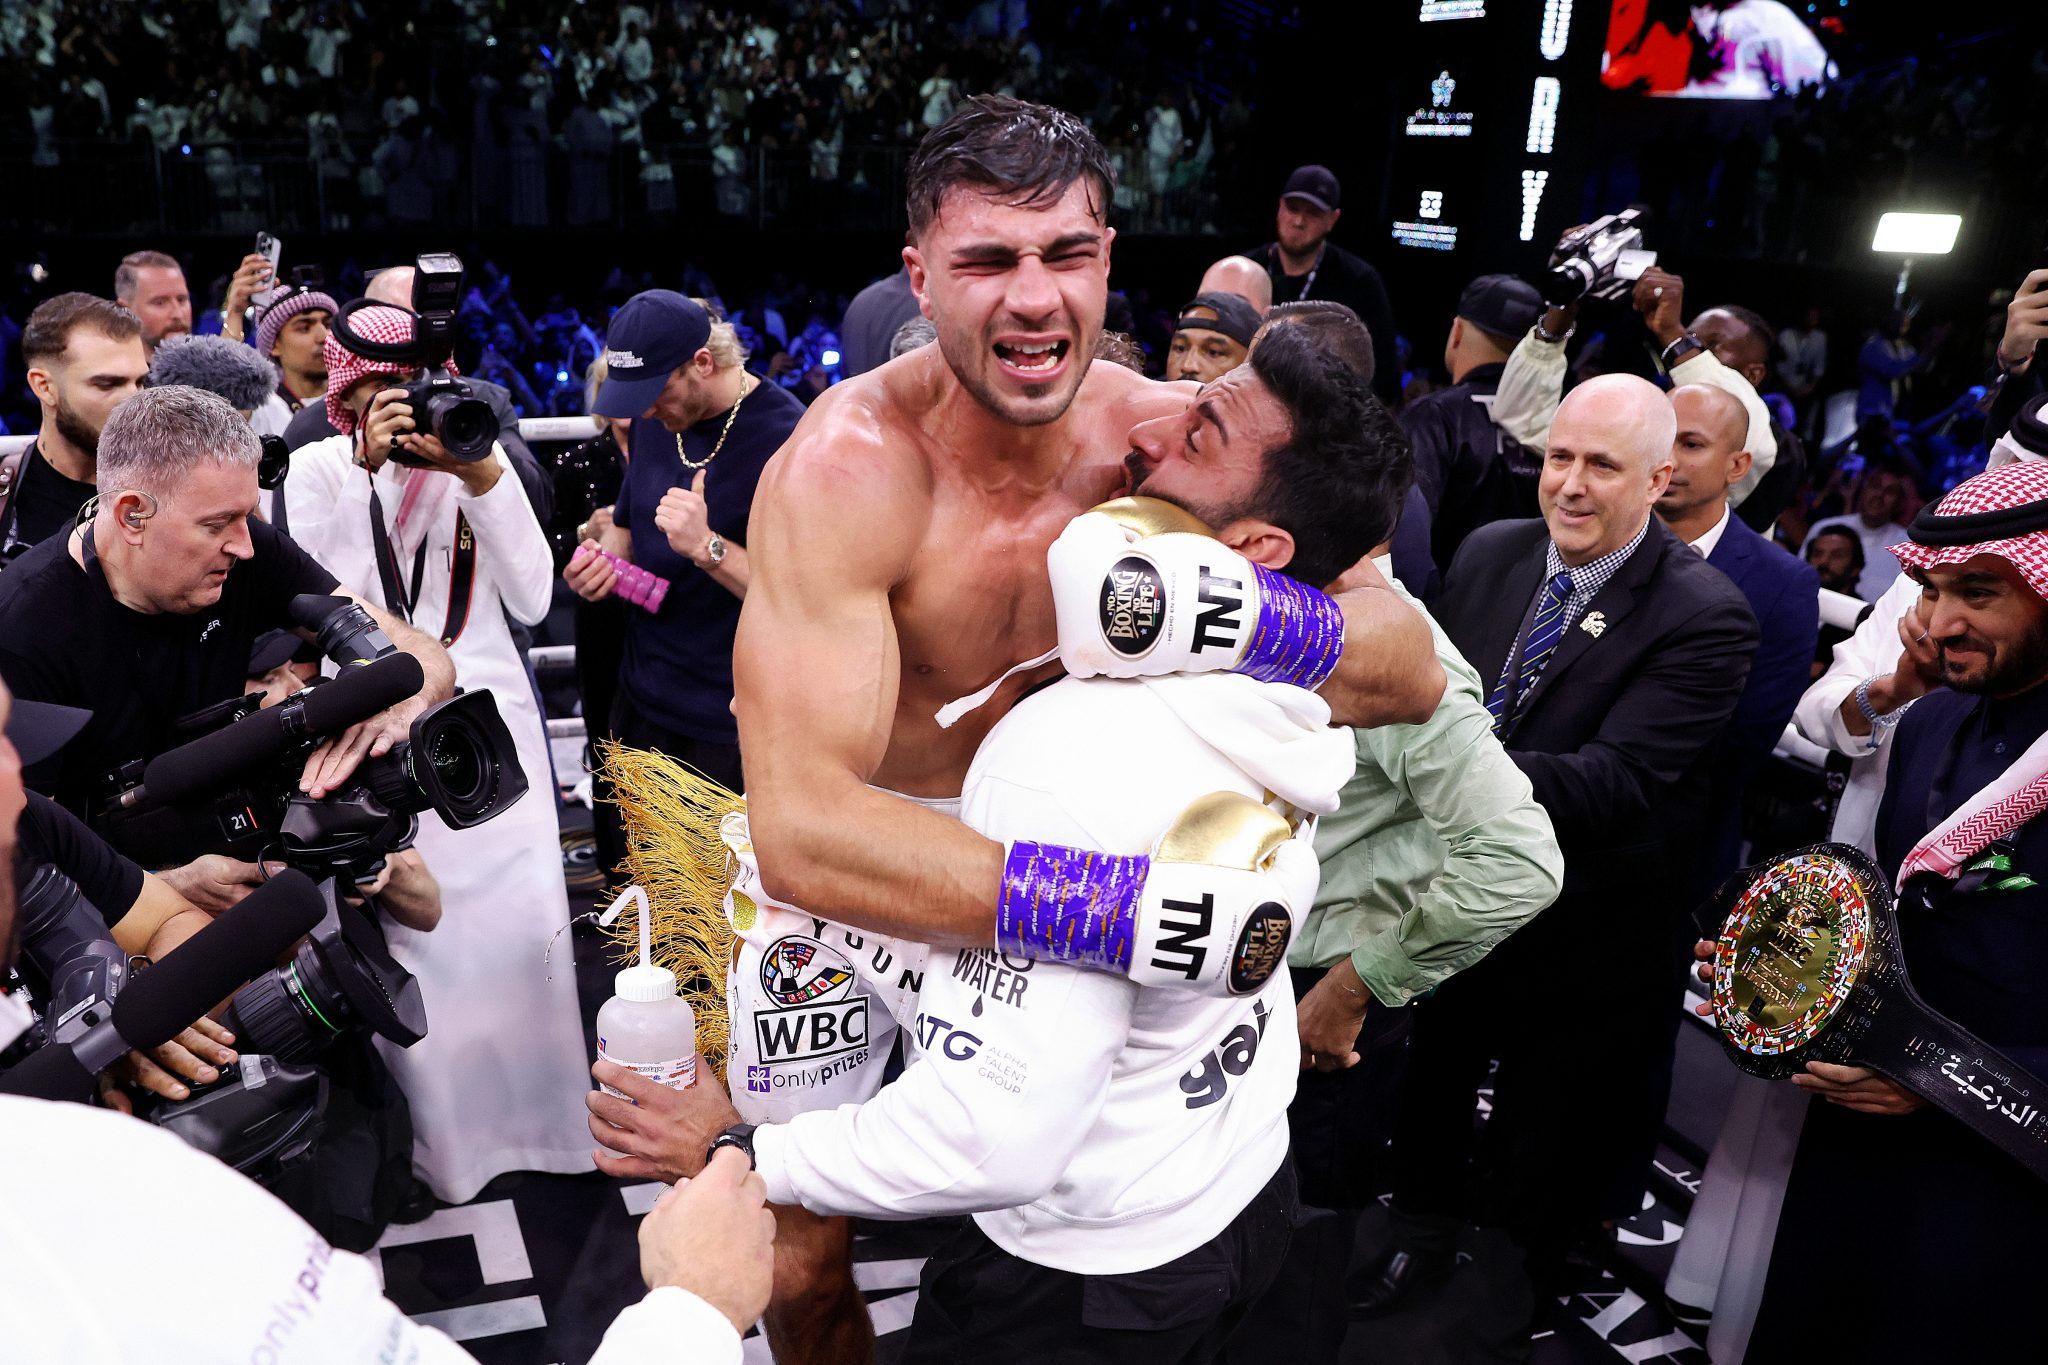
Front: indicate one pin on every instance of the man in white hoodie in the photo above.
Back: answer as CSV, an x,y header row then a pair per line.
x,y
1122,1147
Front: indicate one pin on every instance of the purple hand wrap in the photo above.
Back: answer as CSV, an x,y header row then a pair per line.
x,y
1068,905
1300,633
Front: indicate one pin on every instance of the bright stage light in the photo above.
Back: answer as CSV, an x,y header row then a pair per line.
x,y
1917,234
1532,199
1543,114
1557,28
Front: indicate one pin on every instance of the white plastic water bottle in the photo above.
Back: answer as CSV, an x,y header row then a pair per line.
x,y
645,1026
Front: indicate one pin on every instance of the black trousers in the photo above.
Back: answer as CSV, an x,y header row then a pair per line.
x,y
1339,1124
1573,1123
719,762
977,1303
1342,1121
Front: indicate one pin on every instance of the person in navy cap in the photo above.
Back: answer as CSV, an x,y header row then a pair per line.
x,y
702,430
1303,263
1469,470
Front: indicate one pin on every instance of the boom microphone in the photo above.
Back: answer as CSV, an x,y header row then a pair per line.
x,y
214,760
163,1001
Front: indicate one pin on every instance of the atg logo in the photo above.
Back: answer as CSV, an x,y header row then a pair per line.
x,y
797,970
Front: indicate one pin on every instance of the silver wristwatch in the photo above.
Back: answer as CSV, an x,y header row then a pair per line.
x,y
714,550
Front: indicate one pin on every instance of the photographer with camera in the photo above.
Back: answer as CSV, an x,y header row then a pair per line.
x,y
398,286
147,613
95,1274
417,499
143,916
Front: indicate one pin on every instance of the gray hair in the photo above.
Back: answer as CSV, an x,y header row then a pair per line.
x,y
216,364
160,435
919,331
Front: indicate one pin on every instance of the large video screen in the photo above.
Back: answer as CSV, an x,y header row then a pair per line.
x,y
1715,49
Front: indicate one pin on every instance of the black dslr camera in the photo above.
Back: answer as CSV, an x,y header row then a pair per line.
x,y
233,789
440,402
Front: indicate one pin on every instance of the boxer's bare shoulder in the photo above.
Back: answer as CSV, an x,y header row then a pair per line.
x,y
871,499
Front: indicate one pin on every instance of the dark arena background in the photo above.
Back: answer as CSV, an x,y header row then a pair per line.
x,y
574,153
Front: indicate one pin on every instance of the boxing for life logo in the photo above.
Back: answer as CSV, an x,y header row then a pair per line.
x,y
1260,948
1133,607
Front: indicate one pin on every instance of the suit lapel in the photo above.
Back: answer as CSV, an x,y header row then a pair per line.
x,y
1613,602
1733,554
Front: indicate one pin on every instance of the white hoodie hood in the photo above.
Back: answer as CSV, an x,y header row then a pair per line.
x,y
1279,735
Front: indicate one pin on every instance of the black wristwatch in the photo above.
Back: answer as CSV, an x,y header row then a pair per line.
x,y
740,1135
1682,350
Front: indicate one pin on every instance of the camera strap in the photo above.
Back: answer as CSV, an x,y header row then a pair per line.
x,y
403,599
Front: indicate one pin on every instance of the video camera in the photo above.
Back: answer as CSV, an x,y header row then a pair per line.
x,y
442,403
233,789
265,1112
1601,260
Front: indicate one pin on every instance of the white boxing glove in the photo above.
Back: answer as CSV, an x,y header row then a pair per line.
x,y
1142,588
1212,909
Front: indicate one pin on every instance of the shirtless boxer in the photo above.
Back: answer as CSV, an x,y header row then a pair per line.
x,y
1122,1147
899,546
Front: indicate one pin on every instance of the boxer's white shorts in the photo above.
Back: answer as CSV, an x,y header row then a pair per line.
x,y
815,1006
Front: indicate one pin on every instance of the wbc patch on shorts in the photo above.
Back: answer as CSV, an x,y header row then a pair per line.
x,y
811,1002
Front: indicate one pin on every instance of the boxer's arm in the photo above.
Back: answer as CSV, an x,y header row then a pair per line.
x,y
815,666
1388,673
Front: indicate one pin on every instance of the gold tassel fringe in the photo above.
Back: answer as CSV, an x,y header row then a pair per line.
x,y
674,853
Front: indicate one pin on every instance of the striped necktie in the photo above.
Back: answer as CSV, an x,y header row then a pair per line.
x,y
1544,632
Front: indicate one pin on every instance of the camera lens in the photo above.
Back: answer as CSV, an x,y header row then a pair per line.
x,y
342,977
466,426
458,766
292,1012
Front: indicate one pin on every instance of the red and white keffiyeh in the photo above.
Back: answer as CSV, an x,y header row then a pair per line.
x,y
2021,791
426,490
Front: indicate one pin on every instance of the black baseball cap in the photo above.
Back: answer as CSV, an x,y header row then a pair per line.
x,y
649,339
1506,305
1235,318
1315,184
272,648
40,728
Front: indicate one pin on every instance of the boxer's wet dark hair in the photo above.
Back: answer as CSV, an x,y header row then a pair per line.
x,y
1336,484
1019,153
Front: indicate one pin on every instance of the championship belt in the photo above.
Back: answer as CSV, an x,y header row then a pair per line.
x,y
1808,969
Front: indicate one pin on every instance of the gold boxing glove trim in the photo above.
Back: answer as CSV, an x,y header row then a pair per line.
x,y
1152,517
1225,829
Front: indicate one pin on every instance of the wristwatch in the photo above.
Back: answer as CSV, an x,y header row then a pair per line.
x,y
1682,350
740,1135
714,550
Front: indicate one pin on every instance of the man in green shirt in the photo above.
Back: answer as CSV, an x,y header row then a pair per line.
x,y
1437,852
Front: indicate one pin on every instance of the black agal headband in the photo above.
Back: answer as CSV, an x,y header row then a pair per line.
x,y
1978,528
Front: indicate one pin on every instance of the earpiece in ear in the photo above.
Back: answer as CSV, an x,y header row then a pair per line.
x,y
135,518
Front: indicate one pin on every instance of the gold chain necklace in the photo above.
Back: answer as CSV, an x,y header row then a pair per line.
x,y
731,417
